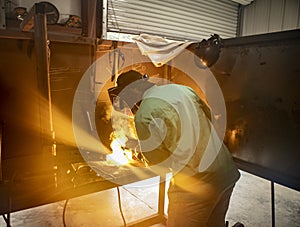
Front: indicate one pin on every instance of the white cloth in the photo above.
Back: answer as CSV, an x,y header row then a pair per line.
x,y
158,49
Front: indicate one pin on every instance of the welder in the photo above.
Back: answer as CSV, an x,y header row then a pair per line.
x,y
175,132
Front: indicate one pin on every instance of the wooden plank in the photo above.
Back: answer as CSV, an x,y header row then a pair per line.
x,y
43,76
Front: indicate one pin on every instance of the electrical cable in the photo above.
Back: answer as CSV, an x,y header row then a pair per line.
x,y
64,213
120,207
119,203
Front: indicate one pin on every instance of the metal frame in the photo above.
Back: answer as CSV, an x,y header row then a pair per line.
x,y
266,174
273,203
159,217
273,175
263,39
104,19
7,219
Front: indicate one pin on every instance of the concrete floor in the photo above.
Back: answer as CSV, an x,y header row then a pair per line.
x,y
250,204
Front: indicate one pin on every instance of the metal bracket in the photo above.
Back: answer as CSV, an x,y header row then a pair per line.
x,y
273,203
7,219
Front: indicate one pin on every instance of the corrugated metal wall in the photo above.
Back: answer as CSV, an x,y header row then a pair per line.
x,y
186,19
265,16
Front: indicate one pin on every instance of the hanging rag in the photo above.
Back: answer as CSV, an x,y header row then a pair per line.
x,y
158,49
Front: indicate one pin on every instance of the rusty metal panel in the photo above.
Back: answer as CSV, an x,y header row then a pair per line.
x,y
260,78
69,62
19,108
21,104
36,177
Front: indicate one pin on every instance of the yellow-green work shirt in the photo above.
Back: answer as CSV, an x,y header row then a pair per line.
x,y
175,133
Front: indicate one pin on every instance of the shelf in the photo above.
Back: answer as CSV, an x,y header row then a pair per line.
x,y
56,33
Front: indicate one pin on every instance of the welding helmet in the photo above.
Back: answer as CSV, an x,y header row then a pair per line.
x,y
119,95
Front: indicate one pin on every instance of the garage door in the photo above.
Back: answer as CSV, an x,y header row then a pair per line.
x,y
182,20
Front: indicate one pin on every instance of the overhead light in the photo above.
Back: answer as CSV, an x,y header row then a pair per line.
x,y
208,51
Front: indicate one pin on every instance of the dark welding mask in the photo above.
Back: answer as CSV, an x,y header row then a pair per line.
x,y
122,95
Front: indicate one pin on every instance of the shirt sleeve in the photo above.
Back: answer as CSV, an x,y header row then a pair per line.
x,y
158,130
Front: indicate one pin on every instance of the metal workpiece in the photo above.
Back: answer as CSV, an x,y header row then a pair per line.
x,y
259,77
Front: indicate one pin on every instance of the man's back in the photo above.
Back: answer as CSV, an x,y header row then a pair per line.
x,y
188,143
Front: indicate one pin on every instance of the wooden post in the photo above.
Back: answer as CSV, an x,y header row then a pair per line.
x,y
43,75
88,16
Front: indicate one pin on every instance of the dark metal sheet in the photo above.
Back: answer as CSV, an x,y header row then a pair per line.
x,y
260,79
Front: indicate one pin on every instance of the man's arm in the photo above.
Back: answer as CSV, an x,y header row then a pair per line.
x,y
157,129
